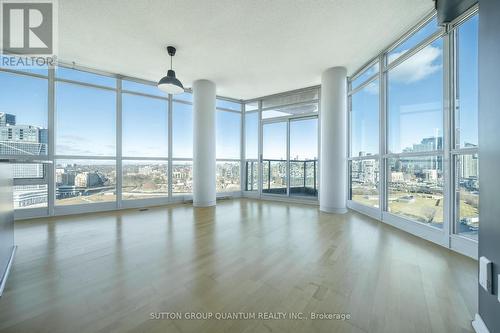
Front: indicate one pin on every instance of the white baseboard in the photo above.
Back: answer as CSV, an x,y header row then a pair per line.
x,y
479,325
3,278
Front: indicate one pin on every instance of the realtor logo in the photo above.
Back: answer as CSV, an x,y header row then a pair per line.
x,y
28,27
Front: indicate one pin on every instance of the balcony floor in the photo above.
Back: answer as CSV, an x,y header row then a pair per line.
x,y
108,272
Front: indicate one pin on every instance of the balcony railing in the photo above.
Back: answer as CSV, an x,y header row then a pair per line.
x,y
303,177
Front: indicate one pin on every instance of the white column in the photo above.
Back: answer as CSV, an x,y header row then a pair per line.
x,y
204,192
333,155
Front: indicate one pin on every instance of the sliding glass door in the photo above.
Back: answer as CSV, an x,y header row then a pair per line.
x,y
303,157
289,157
274,158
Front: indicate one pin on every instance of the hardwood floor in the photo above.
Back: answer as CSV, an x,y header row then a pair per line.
x,y
109,272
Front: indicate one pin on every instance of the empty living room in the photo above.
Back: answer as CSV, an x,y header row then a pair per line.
x,y
249,166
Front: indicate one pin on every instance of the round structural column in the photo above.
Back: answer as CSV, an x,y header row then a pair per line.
x,y
204,191
333,154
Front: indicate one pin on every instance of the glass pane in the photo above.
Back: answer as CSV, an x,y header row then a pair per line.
x,y
290,99
415,188
228,135
143,88
221,103
145,179
85,120
303,157
274,177
365,121
23,115
228,176
466,117
30,196
252,106
182,130
145,126
467,195
415,102
85,181
290,110
364,182
82,76
182,177
252,135
274,137
419,36
252,174
368,73
274,158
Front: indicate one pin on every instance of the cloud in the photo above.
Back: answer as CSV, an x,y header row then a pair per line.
x,y
72,138
72,150
73,144
417,67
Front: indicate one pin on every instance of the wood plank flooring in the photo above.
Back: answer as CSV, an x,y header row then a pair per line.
x,y
109,272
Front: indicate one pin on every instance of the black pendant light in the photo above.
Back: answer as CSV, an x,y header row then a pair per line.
x,y
170,84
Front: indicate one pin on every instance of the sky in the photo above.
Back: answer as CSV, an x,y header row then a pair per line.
x,y
25,97
415,95
85,116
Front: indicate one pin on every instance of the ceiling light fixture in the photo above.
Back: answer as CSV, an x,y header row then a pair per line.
x,y
170,84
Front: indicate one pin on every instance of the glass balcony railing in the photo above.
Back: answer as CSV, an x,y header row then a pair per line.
x,y
252,172
302,173
303,178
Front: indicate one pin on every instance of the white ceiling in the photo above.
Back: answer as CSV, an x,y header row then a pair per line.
x,y
249,48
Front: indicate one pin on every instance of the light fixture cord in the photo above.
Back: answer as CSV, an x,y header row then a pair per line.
x,y
171,62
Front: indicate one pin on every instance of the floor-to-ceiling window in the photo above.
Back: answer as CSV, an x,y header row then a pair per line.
x,y
182,151
24,134
364,171
419,169
465,136
228,145
85,140
251,145
145,141
415,136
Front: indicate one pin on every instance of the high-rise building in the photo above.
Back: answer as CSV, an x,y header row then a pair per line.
x,y
7,119
88,179
427,144
470,166
21,139
32,170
